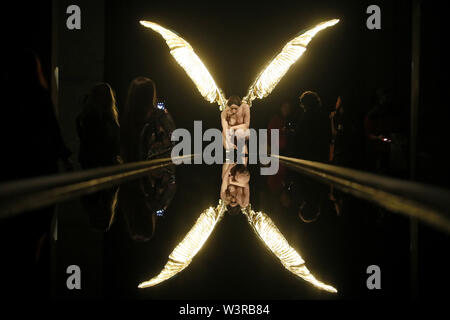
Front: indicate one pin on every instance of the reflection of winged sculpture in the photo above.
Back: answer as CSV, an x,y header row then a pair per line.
x,y
186,250
264,84
275,241
263,226
266,81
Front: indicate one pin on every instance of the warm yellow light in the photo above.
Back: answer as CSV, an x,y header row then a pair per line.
x,y
275,241
186,250
264,84
184,54
277,68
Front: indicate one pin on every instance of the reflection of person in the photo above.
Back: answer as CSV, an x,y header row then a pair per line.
x,y
145,201
98,131
235,120
235,190
284,122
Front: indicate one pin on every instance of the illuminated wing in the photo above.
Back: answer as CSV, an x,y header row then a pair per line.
x,y
186,250
274,240
277,68
183,53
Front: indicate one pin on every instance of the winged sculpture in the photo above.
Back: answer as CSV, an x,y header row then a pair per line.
x,y
264,83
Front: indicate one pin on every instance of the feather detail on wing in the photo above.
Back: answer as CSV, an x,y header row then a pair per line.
x,y
186,250
275,242
277,68
184,54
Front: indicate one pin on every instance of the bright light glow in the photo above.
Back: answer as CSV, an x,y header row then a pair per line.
x,y
264,84
275,241
186,250
183,53
277,68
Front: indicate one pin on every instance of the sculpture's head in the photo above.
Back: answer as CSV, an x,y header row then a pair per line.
x,y
234,102
240,174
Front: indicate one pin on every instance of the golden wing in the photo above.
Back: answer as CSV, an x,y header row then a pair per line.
x,y
183,53
275,241
186,250
277,68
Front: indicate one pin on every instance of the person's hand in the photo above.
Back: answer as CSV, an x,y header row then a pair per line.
x,y
229,145
332,114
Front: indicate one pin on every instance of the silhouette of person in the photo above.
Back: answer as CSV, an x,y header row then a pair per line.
x,y
99,134
32,146
98,128
146,200
283,120
313,134
145,129
146,134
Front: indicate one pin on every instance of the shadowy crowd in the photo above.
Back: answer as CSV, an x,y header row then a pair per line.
x,y
339,135
32,137
142,131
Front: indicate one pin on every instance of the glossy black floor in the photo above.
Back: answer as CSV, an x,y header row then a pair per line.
x,y
343,240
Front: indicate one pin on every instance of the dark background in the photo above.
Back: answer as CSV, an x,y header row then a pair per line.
x,y
235,40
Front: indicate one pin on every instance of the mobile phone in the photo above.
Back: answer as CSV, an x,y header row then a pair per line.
x,y
161,105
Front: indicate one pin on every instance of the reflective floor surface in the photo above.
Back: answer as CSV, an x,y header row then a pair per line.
x,y
124,236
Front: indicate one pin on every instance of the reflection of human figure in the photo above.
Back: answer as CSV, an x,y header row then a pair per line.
x,y
145,201
310,199
98,131
235,190
235,120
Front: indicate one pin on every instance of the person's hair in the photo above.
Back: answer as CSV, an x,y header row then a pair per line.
x,y
234,100
101,102
311,101
141,100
